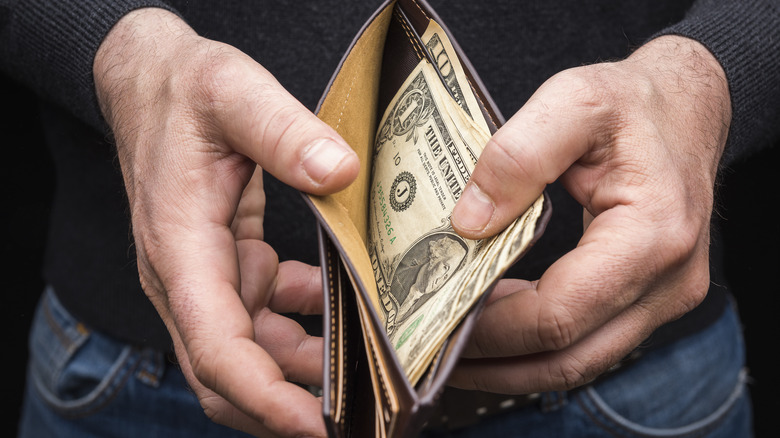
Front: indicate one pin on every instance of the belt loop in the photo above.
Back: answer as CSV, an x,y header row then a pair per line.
x,y
150,367
552,401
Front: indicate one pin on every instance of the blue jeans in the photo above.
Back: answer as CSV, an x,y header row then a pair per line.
x,y
694,387
83,384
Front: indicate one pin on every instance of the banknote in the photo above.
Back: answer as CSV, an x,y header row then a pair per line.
x,y
428,276
419,338
427,144
419,172
455,79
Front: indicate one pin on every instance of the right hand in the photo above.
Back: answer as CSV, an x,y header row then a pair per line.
x,y
193,121
637,143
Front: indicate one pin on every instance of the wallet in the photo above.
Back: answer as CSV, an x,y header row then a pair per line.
x,y
365,391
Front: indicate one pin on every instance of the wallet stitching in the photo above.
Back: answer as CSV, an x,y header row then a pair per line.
x,y
481,102
409,34
346,99
420,9
381,376
344,348
351,85
332,338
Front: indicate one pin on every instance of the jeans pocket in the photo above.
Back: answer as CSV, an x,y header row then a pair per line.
x,y
695,387
76,372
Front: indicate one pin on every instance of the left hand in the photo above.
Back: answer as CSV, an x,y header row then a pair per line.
x,y
194,120
637,144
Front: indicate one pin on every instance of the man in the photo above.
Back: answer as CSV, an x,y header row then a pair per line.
x,y
637,143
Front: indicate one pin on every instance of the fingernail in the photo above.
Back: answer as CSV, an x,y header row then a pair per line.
x,y
322,157
474,209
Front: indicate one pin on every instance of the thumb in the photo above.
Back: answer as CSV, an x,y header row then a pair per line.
x,y
262,120
538,144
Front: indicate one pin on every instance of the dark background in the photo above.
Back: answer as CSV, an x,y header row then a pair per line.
x,y
748,201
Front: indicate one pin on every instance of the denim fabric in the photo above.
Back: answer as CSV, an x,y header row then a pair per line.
x,y
695,387
83,384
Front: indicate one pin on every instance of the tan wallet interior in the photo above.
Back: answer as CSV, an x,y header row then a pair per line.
x,y
350,107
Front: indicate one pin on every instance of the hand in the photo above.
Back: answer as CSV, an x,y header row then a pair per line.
x,y
637,144
192,120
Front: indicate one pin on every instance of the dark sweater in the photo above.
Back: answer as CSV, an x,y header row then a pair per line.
x,y
514,46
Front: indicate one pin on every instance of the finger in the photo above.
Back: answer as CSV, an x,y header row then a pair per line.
x,y
297,354
259,266
217,335
619,259
549,133
587,218
287,287
261,120
224,358
556,370
248,221
298,289
294,287
275,420
509,286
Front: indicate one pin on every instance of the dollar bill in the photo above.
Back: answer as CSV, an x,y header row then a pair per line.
x,y
418,340
427,276
419,172
455,79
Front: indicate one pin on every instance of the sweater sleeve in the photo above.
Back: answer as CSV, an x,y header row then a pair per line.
x,y
50,46
744,36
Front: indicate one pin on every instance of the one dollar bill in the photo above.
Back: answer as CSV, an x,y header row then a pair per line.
x,y
426,147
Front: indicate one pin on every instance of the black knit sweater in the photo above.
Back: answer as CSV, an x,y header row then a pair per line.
x,y
514,46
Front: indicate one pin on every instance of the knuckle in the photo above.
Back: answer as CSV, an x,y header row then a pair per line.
x,y
201,362
217,77
483,345
569,374
585,96
700,285
212,407
204,85
557,329
586,88
509,160
475,381
205,365
218,410
695,288
497,382
277,120
681,239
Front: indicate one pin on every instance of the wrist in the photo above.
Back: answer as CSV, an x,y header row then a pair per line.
x,y
693,91
133,60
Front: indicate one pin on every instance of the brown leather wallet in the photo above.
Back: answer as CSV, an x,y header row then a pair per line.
x,y
366,392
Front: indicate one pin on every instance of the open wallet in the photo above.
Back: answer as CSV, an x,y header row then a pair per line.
x,y
402,289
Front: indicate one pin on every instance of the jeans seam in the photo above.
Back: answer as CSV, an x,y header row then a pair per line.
x,y
151,368
102,396
56,328
695,429
596,420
